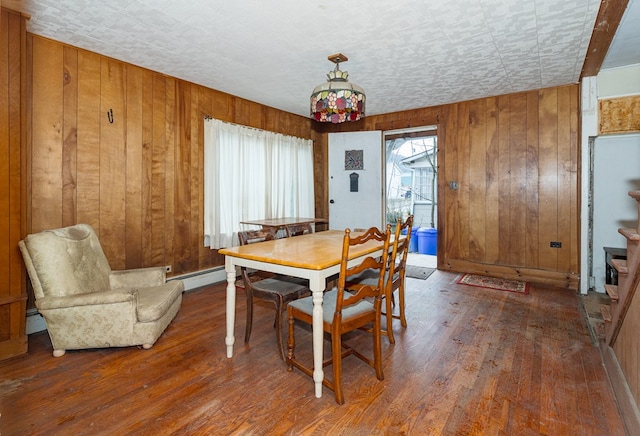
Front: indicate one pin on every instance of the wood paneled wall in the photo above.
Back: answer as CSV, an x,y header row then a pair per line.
x,y
516,160
138,180
13,297
121,148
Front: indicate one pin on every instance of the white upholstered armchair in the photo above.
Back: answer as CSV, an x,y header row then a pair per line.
x,y
84,303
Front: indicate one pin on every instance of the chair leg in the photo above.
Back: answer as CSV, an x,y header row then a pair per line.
x,y
291,341
336,351
389,318
278,325
403,319
377,349
249,321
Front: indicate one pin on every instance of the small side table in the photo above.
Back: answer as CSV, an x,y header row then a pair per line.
x,y
611,275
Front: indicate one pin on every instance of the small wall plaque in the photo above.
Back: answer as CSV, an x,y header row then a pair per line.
x,y
353,182
353,160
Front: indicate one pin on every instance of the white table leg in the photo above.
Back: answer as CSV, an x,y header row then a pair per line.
x,y
231,304
317,286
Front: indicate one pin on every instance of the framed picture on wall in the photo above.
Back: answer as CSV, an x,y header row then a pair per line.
x,y
353,160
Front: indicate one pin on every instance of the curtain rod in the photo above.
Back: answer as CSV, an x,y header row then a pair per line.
x,y
209,118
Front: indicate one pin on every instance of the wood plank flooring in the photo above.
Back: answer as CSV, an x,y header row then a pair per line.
x,y
472,361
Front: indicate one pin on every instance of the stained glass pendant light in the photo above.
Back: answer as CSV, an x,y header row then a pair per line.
x,y
337,100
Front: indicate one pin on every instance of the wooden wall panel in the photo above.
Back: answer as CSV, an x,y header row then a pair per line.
x,y
464,166
156,207
182,239
88,147
548,180
133,170
46,175
147,157
574,179
112,155
170,173
532,228
492,193
447,164
477,180
7,112
207,104
13,295
70,136
518,178
567,156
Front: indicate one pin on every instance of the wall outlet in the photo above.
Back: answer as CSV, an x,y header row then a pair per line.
x,y
168,268
555,244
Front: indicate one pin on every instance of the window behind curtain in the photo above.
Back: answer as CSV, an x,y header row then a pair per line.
x,y
253,174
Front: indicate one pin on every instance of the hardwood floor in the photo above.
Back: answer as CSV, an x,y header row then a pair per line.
x,y
472,361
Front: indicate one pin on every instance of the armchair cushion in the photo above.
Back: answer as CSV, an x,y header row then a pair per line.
x,y
153,302
90,299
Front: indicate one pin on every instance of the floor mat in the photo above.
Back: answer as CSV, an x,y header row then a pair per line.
x,y
418,272
495,283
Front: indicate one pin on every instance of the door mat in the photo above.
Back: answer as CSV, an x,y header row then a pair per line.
x,y
418,272
495,283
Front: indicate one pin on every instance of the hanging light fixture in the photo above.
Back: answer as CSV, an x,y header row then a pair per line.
x,y
338,100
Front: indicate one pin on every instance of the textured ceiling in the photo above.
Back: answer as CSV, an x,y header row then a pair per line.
x,y
406,54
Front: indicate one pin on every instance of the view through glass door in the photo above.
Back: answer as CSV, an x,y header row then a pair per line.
x,y
411,182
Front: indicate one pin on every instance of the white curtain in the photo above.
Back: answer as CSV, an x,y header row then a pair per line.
x,y
252,174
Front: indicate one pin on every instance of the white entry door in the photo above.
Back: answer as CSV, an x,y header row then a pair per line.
x,y
355,180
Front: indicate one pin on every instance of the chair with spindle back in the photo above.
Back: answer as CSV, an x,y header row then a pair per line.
x,y
396,278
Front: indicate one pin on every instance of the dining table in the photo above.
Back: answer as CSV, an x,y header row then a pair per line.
x,y
281,223
313,256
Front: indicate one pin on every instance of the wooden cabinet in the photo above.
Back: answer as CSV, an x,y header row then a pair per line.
x,y
13,297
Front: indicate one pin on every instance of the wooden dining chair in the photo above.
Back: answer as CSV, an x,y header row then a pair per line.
x,y
298,229
346,311
275,288
394,277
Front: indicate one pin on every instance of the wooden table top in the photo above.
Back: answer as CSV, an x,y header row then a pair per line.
x,y
314,251
281,222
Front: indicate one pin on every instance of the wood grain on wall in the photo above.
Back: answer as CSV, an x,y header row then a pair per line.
x,y
13,297
516,159
121,148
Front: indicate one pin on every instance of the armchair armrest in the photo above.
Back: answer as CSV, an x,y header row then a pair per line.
x,y
89,299
139,277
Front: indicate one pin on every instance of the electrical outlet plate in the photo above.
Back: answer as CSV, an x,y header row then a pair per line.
x,y
167,268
